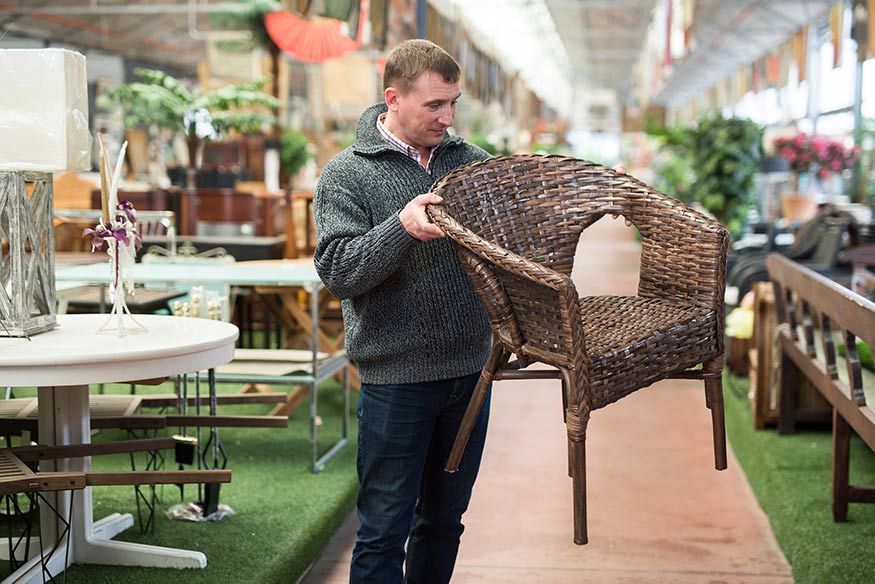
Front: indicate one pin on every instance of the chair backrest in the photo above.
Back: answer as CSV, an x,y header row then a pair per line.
x,y
830,223
514,216
225,212
69,224
68,233
72,191
157,223
829,244
187,253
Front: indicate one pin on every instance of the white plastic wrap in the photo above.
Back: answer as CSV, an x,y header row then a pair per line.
x,y
43,110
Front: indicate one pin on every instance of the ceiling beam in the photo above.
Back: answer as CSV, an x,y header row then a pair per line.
x,y
590,52
159,58
597,4
95,8
602,34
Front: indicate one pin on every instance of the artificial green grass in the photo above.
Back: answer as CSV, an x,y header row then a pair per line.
x,y
284,514
791,478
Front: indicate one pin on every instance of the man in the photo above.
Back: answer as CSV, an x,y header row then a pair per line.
x,y
413,324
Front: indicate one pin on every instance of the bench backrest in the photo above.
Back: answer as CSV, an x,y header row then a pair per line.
x,y
806,301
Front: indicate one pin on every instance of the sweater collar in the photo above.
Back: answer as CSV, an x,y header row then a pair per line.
x,y
368,140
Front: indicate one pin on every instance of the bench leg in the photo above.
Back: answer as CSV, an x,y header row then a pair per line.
x,y
791,378
841,455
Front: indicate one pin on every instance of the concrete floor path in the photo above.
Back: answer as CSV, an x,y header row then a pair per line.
x,y
658,511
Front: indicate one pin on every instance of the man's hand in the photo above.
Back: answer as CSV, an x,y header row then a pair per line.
x,y
416,222
622,170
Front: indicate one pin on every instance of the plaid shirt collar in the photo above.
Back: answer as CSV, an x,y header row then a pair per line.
x,y
403,147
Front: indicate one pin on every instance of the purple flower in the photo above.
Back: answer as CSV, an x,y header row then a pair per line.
x,y
120,234
127,208
96,235
122,228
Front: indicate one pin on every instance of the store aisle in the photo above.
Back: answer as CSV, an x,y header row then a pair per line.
x,y
658,511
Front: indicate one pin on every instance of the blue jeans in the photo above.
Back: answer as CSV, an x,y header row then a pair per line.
x,y
406,433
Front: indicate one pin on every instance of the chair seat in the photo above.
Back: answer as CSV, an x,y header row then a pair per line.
x,y
633,341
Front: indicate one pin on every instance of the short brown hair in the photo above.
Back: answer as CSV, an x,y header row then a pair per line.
x,y
411,58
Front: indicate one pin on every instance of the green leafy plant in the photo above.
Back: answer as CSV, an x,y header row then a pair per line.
x,y
294,151
160,99
864,353
723,155
251,18
541,148
863,186
674,174
480,139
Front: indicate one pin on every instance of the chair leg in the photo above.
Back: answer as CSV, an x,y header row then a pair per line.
x,y
496,359
566,384
577,457
714,393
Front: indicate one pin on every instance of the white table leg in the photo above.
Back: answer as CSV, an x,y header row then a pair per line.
x,y
65,419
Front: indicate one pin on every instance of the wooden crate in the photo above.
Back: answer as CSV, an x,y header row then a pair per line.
x,y
765,367
763,392
737,351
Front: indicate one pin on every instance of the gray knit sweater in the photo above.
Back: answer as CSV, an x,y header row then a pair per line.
x,y
409,311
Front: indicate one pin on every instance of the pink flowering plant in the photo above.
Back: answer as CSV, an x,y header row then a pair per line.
x,y
816,154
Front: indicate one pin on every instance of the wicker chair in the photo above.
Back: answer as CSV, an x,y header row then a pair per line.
x,y
515,222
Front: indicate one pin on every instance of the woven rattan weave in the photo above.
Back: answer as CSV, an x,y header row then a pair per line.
x,y
516,221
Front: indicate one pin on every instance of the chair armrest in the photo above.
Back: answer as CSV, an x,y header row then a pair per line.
x,y
507,260
501,277
492,294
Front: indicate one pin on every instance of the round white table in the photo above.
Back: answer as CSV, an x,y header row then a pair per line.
x,y
62,363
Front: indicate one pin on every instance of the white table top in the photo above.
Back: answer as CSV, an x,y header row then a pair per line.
x,y
259,273
75,354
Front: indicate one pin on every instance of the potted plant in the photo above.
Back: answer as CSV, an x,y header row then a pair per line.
x,y
252,20
294,152
724,155
812,159
160,99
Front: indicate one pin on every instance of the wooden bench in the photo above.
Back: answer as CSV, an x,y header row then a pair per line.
x,y
15,457
17,477
806,302
107,411
149,476
120,411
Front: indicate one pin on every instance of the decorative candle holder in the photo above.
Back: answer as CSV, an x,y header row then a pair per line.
x,y
117,231
121,260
